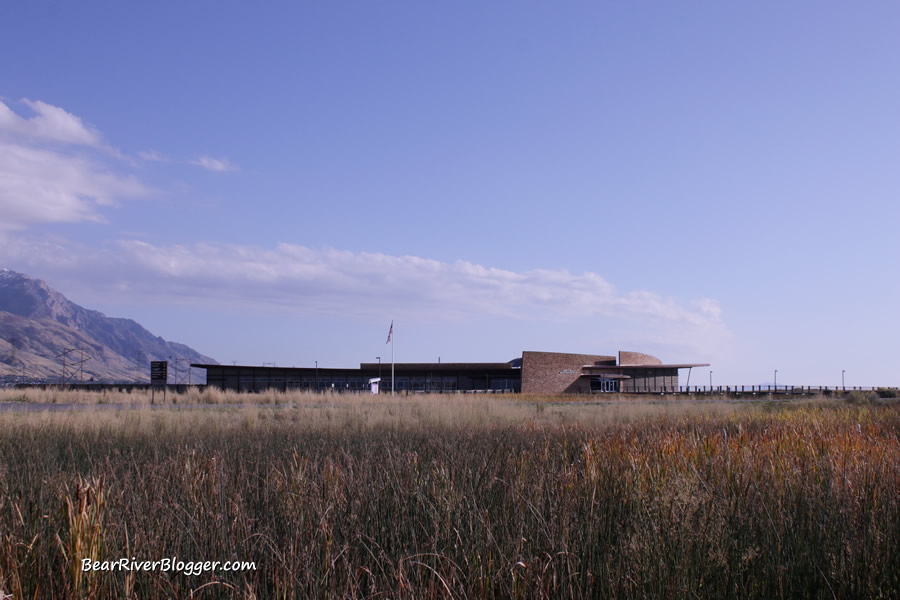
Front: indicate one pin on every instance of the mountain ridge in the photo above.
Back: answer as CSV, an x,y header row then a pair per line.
x,y
38,323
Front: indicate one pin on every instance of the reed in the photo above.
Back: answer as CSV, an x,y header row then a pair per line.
x,y
464,497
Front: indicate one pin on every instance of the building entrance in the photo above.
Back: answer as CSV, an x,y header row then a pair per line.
x,y
603,385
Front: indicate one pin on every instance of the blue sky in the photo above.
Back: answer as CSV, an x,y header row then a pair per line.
x,y
707,182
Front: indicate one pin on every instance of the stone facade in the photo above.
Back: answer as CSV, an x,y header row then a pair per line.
x,y
557,373
637,358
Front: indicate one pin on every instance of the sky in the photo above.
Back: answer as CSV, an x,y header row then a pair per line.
x,y
278,182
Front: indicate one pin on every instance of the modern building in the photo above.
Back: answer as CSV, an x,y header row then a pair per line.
x,y
534,373
559,373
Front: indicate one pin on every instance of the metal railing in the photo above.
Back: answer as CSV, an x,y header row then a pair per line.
x,y
752,389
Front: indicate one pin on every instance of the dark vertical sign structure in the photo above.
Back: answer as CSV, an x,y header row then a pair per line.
x,y
159,376
159,372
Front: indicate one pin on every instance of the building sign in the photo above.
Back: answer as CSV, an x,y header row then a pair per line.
x,y
159,372
568,372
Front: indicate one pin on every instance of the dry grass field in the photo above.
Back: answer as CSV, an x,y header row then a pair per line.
x,y
451,496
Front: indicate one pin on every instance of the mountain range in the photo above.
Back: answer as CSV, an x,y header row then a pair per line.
x,y
38,325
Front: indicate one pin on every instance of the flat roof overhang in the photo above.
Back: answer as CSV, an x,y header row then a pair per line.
x,y
643,367
442,366
206,366
399,367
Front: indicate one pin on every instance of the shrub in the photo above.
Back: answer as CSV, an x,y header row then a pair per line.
x,y
859,397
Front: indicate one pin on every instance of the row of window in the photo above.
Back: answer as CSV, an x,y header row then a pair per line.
x,y
649,384
246,382
638,384
328,383
450,384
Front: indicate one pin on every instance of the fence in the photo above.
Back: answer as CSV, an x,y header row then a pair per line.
x,y
758,389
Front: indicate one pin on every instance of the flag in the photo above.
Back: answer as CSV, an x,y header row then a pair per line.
x,y
390,333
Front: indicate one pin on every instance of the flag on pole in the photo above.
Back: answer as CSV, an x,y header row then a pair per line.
x,y
390,333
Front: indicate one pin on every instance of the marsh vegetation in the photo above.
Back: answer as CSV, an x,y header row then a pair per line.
x,y
480,497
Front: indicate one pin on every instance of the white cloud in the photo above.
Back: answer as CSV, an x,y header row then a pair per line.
x,y
153,156
219,165
215,164
54,168
50,123
306,281
39,185
46,175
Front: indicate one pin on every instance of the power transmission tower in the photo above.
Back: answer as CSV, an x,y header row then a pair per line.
x,y
177,360
77,363
63,355
81,365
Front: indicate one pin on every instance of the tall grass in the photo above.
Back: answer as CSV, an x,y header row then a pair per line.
x,y
430,498
211,395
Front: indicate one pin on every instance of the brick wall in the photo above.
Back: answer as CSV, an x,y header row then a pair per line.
x,y
557,373
637,358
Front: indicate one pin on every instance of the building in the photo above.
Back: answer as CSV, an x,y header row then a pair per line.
x,y
534,373
559,373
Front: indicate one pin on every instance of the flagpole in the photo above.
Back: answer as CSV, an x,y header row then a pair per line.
x,y
392,360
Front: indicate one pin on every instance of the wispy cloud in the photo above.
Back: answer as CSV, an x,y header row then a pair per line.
x,y
47,172
50,123
55,168
307,281
218,165
43,186
153,156
214,164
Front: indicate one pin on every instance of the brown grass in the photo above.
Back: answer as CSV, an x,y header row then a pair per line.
x,y
457,496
